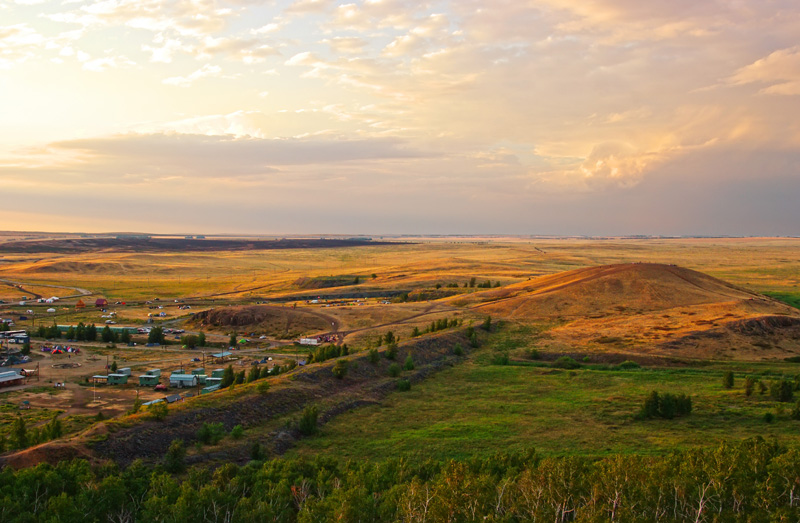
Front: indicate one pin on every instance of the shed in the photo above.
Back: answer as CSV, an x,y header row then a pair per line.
x,y
149,380
10,378
210,388
218,373
183,380
213,381
172,398
80,305
198,371
201,378
125,370
153,372
101,302
117,379
99,379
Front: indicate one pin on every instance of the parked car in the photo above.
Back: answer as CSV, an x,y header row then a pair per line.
x,y
160,387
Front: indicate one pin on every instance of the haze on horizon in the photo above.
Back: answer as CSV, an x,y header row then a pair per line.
x,y
589,117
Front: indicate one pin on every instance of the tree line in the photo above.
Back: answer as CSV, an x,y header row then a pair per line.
x,y
753,480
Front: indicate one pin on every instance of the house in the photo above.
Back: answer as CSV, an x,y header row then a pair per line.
x,y
117,379
149,380
80,305
183,380
101,302
11,378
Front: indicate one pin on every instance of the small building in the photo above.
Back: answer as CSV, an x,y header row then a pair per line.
x,y
80,305
172,398
201,378
221,355
218,373
125,370
198,371
117,379
213,381
210,388
154,372
149,380
99,379
100,303
183,380
309,341
11,378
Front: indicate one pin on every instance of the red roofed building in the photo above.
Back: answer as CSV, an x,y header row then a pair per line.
x,y
101,302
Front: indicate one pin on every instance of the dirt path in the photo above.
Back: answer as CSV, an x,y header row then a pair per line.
x,y
19,284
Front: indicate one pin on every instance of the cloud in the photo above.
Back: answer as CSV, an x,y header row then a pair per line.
x,y
206,71
99,65
780,69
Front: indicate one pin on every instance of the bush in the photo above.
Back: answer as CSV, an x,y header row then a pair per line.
x,y
665,406
256,451
403,385
566,362
175,458
237,432
211,433
394,370
374,356
782,390
534,354
409,365
727,380
587,359
254,374
458,350
769,417
487,324
308,421
795,414
228,377
239,377
391,352
628,365
263,387
340,369
158,411
749,386
500,359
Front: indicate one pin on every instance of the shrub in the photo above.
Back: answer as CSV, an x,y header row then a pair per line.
x,y
534,354
175,458
782,390
749,386
769,417
391,352
487,324
628,365
374,356
210,433
256,451
340,369
566,362
308,421
237,432
500,359
394,370
228,377
727,380
409,365
239,377
403,385
158,411
587,359
458,350
263,387
795,414
254,374
665,406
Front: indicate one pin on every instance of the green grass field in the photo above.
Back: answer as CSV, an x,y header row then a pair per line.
x,y
477,409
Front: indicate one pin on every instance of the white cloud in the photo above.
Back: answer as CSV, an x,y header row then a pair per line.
x,y
206,71
780,69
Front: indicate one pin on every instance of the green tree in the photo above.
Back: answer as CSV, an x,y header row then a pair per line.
x,y
487,324
228,377
782,390
749,386
211,433
388,338
237,432
190,340
158,411
54,428
26,348
125,336
91,332
239,377
340,369
391,352
727,380
254,374
374,356
394,370
409,364
308,421
71,334
415,332
175,458
458,350
113,367
201,339
232,341
471,282
156,335
20,433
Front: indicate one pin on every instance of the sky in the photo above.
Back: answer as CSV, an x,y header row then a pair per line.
x,y
565,117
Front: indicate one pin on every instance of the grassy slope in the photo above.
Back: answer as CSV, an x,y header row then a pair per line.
x,y
478,409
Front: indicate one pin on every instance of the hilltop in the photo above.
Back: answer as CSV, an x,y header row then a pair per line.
x,y
648,308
